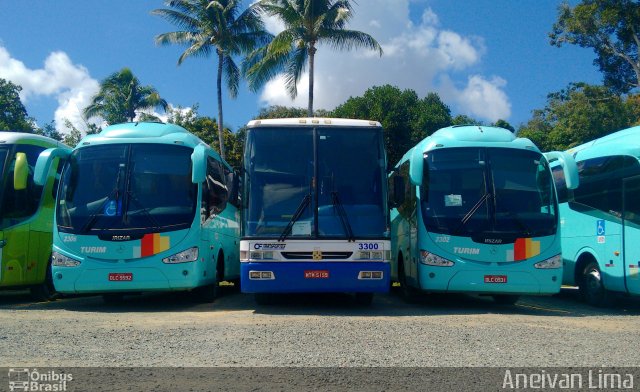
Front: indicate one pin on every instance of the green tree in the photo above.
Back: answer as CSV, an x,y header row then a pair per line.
x,y
577,115
121,98
49,130
13,115
503,124
206,128
308,23
277,111
611,29
219,26
463,119
406,119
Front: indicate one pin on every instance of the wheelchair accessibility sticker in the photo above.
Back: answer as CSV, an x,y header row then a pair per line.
x,y
600,227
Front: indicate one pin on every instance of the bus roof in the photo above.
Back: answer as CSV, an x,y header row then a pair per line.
x,y
471,136
624,142
28,138
312,122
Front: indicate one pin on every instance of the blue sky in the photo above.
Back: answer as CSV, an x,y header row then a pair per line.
x,y
488,59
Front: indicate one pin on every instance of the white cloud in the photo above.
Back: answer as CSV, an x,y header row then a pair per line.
x,y
416,56
70,84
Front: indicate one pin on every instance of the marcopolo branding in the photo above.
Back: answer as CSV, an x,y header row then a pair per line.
x,y
466,251
34,380
269,246
593,379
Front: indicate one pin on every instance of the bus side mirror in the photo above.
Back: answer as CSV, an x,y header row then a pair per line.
x,y
20,172
199,164
233,181
398,191
45,160
569,167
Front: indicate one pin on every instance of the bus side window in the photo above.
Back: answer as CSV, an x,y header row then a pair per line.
x,y
217,191
21,204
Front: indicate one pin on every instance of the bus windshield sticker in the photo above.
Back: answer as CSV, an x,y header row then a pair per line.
x,y
453,200
301,228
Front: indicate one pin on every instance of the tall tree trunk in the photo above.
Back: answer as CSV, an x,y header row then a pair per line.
x,y
312,54
219,87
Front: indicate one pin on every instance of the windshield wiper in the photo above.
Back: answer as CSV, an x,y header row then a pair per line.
x,y
132,197
303,205
100,212
472,211
343,216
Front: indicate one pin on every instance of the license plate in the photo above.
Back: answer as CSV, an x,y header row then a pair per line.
x,y
495,278
120,277
322,274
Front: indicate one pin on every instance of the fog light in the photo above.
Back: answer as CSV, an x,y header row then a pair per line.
x,y
370,275
254,275
376,275
365,275
265,275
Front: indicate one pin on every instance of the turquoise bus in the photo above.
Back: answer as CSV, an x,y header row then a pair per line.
x,y
315,216
475,211
26,214
601,218
143,207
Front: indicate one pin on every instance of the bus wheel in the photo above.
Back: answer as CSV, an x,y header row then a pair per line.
x,y
112,299
591,286
44,291
504,299
364,299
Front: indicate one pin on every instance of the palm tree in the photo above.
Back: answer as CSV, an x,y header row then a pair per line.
x,y
307,24
219,26
121,96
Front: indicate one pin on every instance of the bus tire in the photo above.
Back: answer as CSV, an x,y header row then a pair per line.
x,y
364,299
407,293
592,287
45,291
506,299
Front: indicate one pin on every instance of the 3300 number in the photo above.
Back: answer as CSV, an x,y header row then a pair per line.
x,y
368,246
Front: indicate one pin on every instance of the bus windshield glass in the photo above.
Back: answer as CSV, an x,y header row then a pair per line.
x,y
488,191
137,188
330,176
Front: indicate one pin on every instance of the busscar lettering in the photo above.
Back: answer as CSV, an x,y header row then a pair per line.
x,y
269,246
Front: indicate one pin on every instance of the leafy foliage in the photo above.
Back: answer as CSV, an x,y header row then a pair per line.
x,y
214,26
13,115
406,119
579,114
610,28
307,23
121,97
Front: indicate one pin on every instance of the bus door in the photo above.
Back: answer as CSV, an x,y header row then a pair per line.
x,y
631,220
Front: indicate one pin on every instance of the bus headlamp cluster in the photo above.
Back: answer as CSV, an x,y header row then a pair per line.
x,y
257,255
60,260
185,256
550,263
370,255
431,259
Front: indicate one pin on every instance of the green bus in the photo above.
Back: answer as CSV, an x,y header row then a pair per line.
x,y
26,214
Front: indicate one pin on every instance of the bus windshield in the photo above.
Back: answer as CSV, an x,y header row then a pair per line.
x,y
136,188
488,191
331,176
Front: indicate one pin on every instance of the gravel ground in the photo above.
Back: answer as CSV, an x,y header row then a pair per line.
x,y
311,330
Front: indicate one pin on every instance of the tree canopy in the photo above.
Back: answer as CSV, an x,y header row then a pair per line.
x,y
13,115
611,29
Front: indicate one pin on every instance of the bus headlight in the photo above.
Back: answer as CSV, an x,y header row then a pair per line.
x,y
431,259
186,256
550,263
60,260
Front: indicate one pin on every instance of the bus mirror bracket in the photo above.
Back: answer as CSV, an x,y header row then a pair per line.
x,y
416,167
199,164
398,190
234,182
568,166
20,172
45,160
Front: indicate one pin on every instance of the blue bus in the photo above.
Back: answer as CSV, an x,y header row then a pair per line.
x,y
475,211
315,216
601,218
143,207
